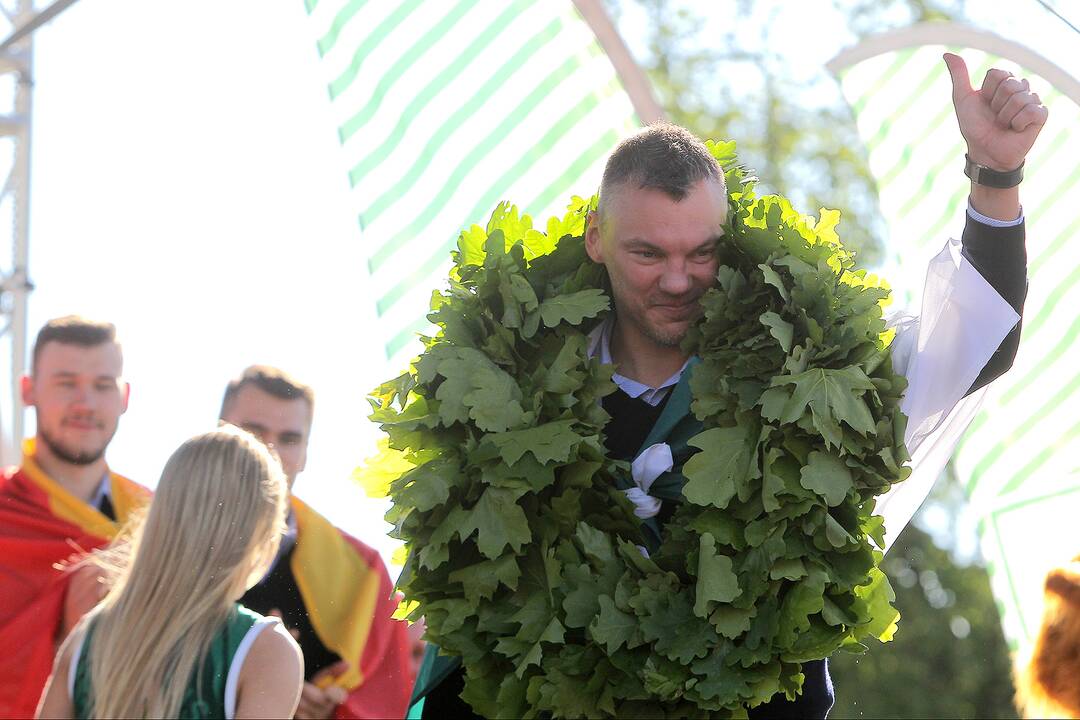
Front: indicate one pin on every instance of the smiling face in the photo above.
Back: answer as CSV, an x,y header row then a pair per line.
x,y
660,255
78,397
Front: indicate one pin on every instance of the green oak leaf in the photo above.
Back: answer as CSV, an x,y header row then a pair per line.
x,y
572,308
498,521
714,475
482,579
773,278
429,484
731,622
494,401
876,597
613,628
716,582
549,442
831,396
779,328
828,476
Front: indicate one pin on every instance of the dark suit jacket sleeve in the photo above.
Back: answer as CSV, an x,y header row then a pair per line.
x,y
1000,256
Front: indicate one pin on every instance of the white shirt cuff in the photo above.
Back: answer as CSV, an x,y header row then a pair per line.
x,y
993,222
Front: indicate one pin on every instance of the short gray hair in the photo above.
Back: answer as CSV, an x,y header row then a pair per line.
x,y
664,157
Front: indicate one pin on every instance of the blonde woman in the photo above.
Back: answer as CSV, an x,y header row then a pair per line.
x,y
169,639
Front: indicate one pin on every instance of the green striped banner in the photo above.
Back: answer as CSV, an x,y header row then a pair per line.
x,y
444,110
1018,460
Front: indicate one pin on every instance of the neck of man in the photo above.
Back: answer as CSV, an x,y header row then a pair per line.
x,y
80,480
641,358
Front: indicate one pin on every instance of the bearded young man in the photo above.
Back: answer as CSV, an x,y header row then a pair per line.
x,y
331,590
62,499
662,212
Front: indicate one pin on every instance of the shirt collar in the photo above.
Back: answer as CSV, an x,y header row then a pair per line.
x,y
600,348
104,490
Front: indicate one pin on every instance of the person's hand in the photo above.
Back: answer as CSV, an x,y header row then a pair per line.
x,y
85,589
317,703
1000,120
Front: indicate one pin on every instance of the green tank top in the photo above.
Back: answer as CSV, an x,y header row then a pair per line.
x,y
214,700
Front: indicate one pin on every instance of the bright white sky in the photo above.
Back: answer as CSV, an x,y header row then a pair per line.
x,y
187,186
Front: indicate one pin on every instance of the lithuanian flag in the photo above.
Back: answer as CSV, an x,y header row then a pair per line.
x,y
42,526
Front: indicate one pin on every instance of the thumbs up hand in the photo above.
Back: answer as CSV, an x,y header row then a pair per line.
x,y
1000,120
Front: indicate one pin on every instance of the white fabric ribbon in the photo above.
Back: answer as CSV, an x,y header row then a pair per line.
x,y
963,322
653,462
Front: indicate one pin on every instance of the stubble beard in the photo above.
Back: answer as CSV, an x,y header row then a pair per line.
x,y
80,458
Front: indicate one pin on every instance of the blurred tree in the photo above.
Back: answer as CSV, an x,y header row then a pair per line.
x,y
733,70
747,70
949,658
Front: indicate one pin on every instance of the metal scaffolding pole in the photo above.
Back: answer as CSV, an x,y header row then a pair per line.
x,y
16,61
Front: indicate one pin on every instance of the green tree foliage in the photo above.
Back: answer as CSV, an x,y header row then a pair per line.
x,y
742,70
948,658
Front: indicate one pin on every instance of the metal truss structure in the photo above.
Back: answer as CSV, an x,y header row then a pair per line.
x,y
16,113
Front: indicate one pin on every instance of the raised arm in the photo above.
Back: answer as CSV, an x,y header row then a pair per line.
x,y
999,122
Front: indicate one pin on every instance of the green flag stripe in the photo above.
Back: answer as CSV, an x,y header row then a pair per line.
x,y
898,62
557,132
1056,245
326,42
371,41
955,200
1035,500
943,117
459,174
432,89
948,160
1032,328
598,149
1008,575
903,107
408,59
1041,458
1056,399
310,5
582,163
1048,358
1026,427
564,125
905,156
460,116
949,213
405,336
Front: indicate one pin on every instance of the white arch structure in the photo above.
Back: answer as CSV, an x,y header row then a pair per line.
x,y
950,33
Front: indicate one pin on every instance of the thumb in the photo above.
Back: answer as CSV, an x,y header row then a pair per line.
x,y
958,71
337,695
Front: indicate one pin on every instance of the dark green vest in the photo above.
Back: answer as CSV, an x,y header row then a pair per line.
x,y
202,700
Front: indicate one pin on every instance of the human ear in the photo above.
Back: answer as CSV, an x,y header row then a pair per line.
x,y
594,245
26,390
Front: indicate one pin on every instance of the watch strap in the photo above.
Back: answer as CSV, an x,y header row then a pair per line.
x,y
982,175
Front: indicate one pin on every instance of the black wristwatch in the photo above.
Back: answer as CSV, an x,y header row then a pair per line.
x,y
982,175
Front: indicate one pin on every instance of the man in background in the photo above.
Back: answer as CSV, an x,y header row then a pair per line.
x,y
330,589
62,501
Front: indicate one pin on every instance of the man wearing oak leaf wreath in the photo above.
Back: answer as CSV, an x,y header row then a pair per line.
x,y
663,206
